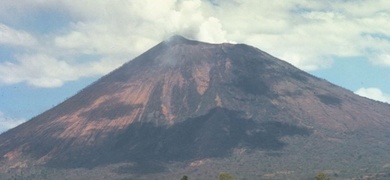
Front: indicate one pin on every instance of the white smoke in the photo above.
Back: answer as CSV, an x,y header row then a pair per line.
x,y
306,33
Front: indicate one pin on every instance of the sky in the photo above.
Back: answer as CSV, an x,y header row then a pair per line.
x,y
51,49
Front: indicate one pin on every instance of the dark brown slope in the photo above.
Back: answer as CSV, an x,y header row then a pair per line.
x,y
185,100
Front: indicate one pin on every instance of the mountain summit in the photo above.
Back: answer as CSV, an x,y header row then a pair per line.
x,y
222,107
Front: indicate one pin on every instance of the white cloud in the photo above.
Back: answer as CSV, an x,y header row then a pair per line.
x,y
9,36
126,27
384,59
374,93
308,34
8,123
45,71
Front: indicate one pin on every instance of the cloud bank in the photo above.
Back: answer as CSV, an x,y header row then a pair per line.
x,y
8,123
308,34
374,93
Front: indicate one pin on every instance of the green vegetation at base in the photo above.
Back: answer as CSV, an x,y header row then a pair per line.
x,y
322,176
226,176
222,176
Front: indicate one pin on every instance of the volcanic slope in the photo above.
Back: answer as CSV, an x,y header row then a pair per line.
x,y
188,107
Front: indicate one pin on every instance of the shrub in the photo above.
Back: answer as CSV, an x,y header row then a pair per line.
x,y
322,176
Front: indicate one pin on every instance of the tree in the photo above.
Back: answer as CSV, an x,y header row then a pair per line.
x,y
226,176
322,176
184,178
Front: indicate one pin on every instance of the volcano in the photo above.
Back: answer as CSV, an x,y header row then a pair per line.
x,y
194,108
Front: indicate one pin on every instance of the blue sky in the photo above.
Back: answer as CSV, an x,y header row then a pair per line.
x,y
50,49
